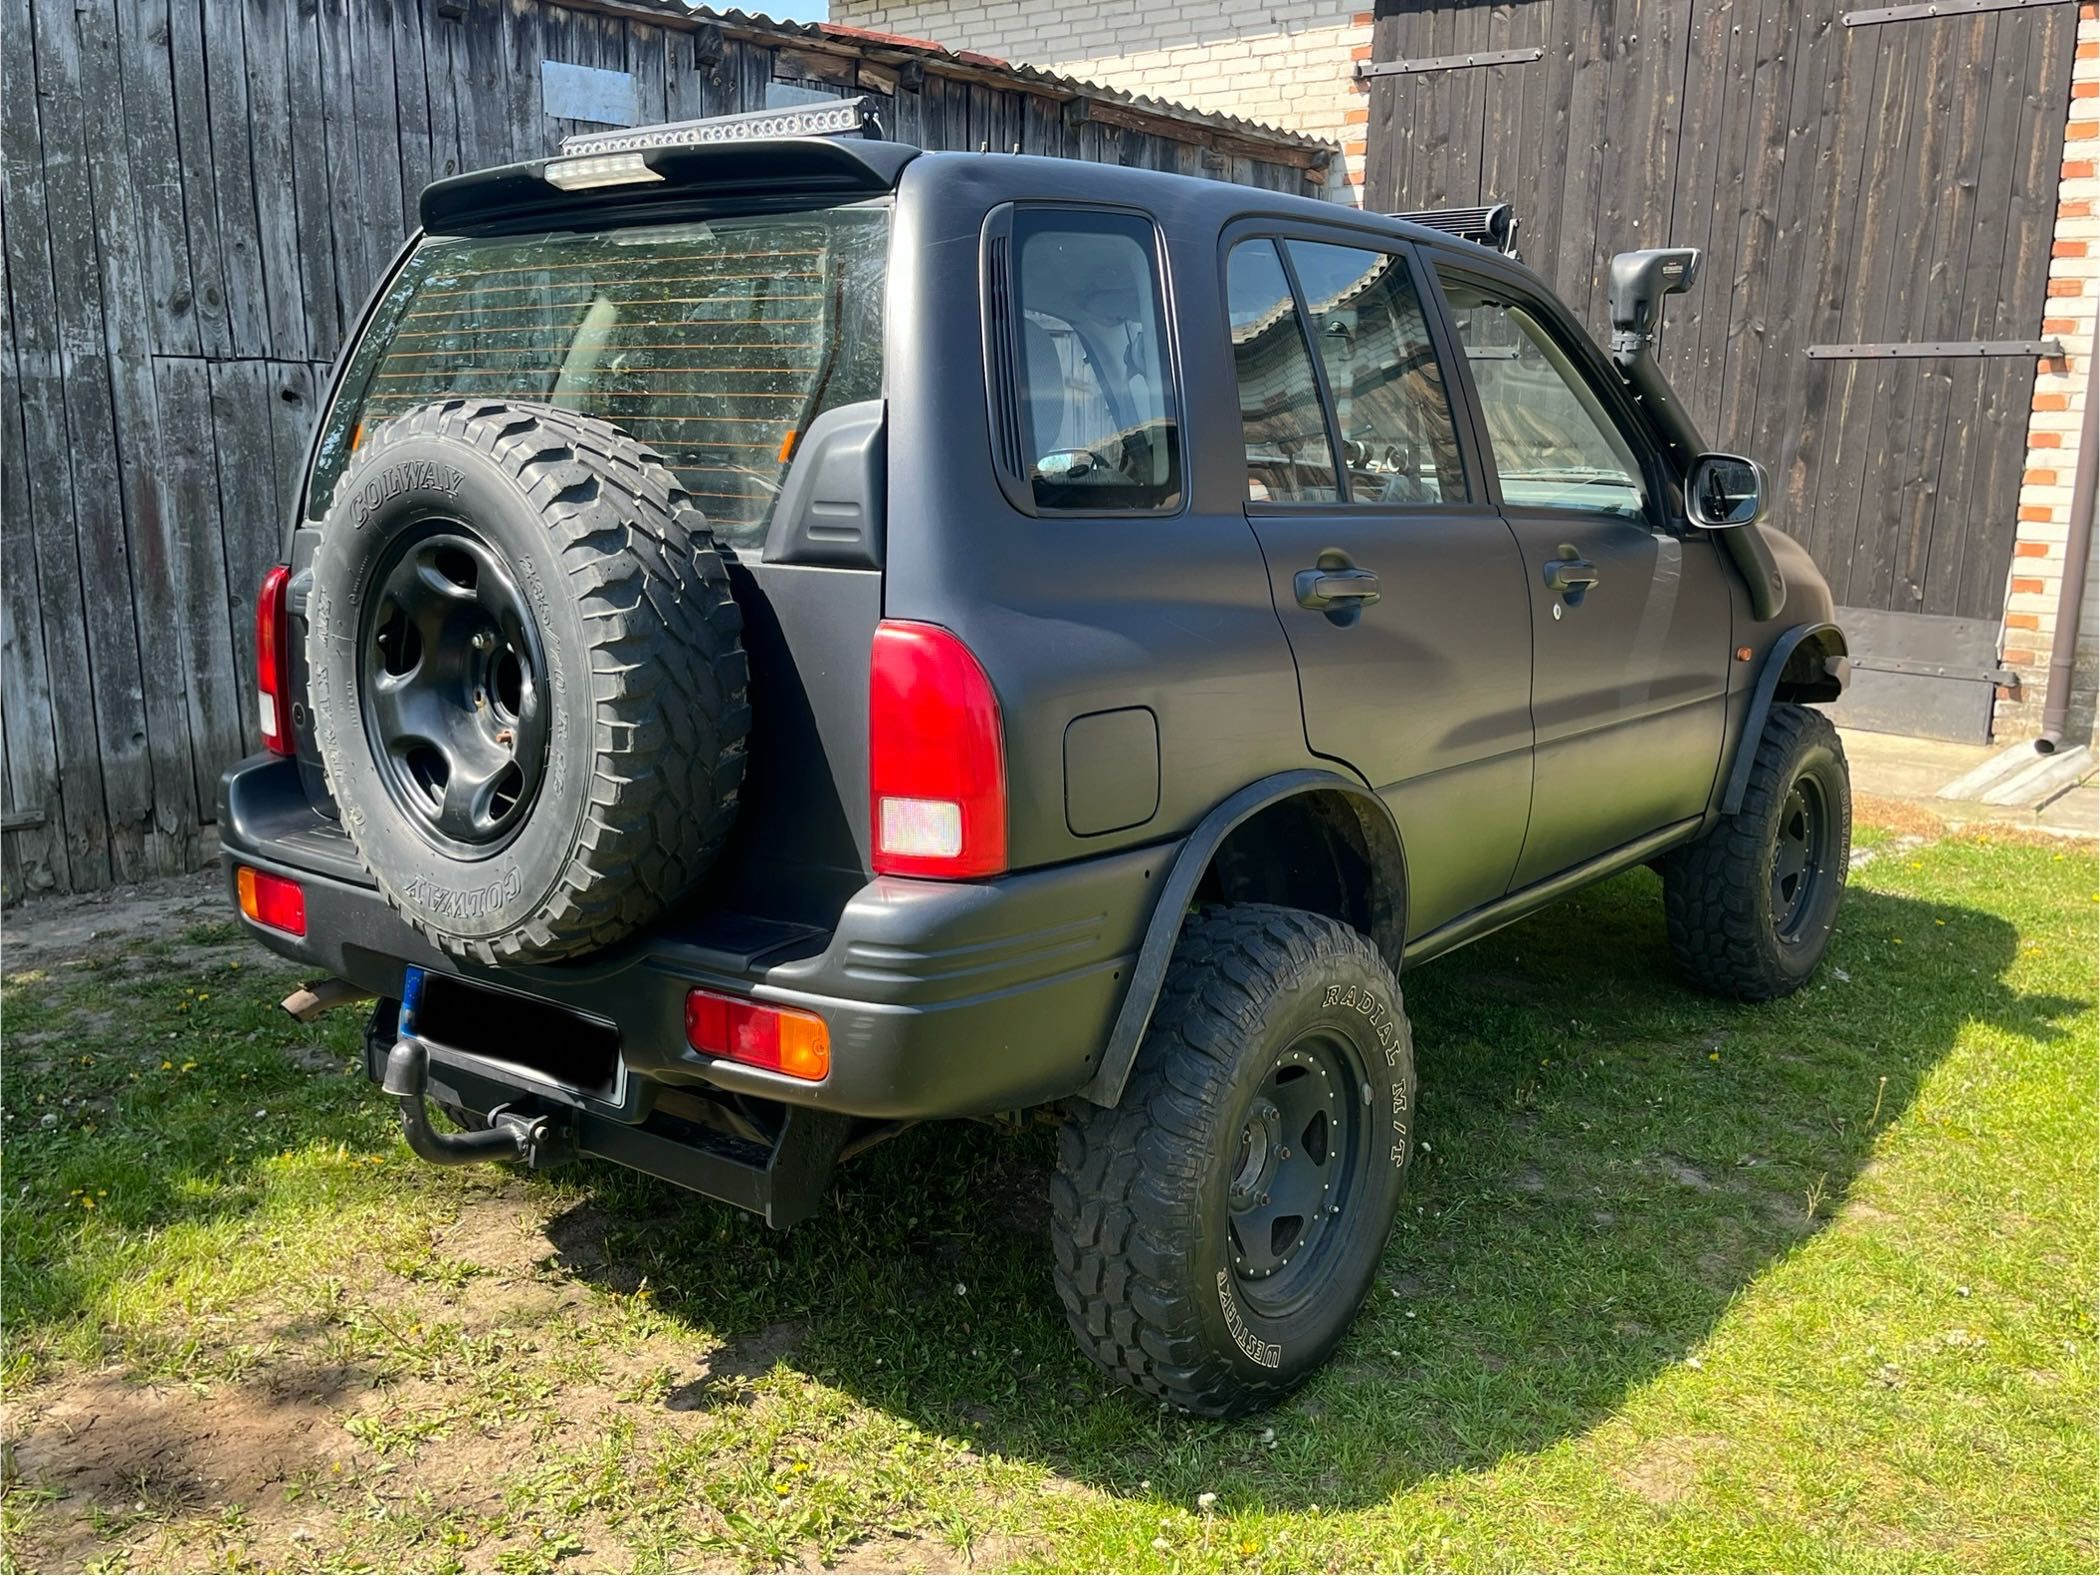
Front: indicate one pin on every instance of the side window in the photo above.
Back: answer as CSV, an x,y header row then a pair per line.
x,y
1289,458
1390,404
1555,444
1096,416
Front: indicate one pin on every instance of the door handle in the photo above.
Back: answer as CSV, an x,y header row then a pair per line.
x,y
1570,576
1321,589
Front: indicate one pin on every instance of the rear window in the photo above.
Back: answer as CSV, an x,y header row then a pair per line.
x,y
715,343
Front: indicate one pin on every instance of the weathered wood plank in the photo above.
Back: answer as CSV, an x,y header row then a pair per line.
x,y
481,91
35,856
1951,199
240,395
444,68
217,693
36,339
226,89
646,59
199,177
144,40
378,115
420,160
112,687
316,172
276,193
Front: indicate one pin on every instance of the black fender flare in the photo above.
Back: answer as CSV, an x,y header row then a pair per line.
x,y
1149,972
1834,670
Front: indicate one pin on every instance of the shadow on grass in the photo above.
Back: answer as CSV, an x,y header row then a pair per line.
x,y
1607,1160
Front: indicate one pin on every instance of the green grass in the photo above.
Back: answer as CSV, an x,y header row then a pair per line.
x,y
1676,1284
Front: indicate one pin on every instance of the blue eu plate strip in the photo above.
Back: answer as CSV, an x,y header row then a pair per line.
x,y
411,998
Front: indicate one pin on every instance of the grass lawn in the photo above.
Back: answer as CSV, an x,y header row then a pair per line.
x,y
1677,1284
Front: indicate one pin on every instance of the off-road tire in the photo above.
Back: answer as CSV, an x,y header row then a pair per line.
x,y
649,712
1718,901
1139,1205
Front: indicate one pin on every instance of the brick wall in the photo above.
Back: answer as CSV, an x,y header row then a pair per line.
x,y
1282,62
2053,428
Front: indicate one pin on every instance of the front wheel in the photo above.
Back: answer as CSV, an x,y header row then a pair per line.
x,y
1750,907
1217,1229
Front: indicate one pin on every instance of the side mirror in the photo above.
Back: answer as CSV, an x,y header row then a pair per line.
x,y
1725,490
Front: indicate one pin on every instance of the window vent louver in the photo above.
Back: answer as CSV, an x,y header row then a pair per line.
x,y
999,357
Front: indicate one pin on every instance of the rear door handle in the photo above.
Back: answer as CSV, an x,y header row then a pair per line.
x,y
1321,589
1567,575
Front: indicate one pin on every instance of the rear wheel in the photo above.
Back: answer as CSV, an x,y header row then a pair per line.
x,y
1751,906
1216,1231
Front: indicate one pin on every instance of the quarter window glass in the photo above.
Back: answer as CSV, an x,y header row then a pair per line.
x,y
1555,445
1289,459
1097,408
1390,405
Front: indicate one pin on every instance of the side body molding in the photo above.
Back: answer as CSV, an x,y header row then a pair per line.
x,y
1781,664
1389,902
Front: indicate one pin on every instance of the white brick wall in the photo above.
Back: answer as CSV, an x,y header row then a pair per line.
x,y
1282,62
2053,427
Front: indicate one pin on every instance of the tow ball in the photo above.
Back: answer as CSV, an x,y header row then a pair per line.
x,y
536,1139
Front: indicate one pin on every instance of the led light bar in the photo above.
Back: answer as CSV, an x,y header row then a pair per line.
x,y
845,117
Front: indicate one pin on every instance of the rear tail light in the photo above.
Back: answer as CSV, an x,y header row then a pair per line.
x,y
273,660
272,900
779,1039
936,757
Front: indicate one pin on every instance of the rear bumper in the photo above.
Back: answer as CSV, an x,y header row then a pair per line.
x,y
943,998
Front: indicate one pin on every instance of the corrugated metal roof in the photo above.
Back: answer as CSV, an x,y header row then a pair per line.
x,y
836,33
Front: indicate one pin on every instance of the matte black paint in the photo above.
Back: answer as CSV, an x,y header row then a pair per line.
x,y
1488,755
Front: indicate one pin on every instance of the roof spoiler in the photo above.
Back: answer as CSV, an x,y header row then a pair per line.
x,y
765,171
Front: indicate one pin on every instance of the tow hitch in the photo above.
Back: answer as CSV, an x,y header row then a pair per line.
x,y
510,1135
538,1140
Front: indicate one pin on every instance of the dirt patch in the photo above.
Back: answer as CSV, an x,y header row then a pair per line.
x,y
1904,817
53,930
1669,1468
111,1448
1683,1172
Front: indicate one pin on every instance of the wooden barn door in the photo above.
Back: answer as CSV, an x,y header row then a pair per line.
x,y
1875,189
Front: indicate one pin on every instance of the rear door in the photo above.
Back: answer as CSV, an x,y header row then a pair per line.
x,y
1399,586
1629,608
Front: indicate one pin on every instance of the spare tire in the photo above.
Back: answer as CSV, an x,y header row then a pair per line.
x,y
526,677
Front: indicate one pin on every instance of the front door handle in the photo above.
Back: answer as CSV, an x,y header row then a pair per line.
x,y
1570,576
1322,589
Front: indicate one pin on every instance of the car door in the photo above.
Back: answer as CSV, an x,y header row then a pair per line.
x,y
1630,611
1399,586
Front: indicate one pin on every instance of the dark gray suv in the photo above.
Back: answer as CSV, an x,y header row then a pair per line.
x,y
786,636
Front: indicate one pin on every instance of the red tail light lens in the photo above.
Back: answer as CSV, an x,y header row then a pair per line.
x,y
273,660
272,900
936,757
779,1039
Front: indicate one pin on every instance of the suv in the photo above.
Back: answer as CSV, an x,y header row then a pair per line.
x,y
789,636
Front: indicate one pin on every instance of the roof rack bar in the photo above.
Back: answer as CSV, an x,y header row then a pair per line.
x,y
1493,225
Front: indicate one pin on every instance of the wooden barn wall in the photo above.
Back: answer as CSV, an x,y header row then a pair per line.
x,y
1849,184
195,198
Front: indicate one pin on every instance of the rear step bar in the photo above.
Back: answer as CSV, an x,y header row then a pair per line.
x,y
783,1181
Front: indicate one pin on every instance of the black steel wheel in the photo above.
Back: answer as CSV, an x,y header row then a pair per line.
x,y
453,678
1751,906
1217,1229
526,678
1294,1171
1800,855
